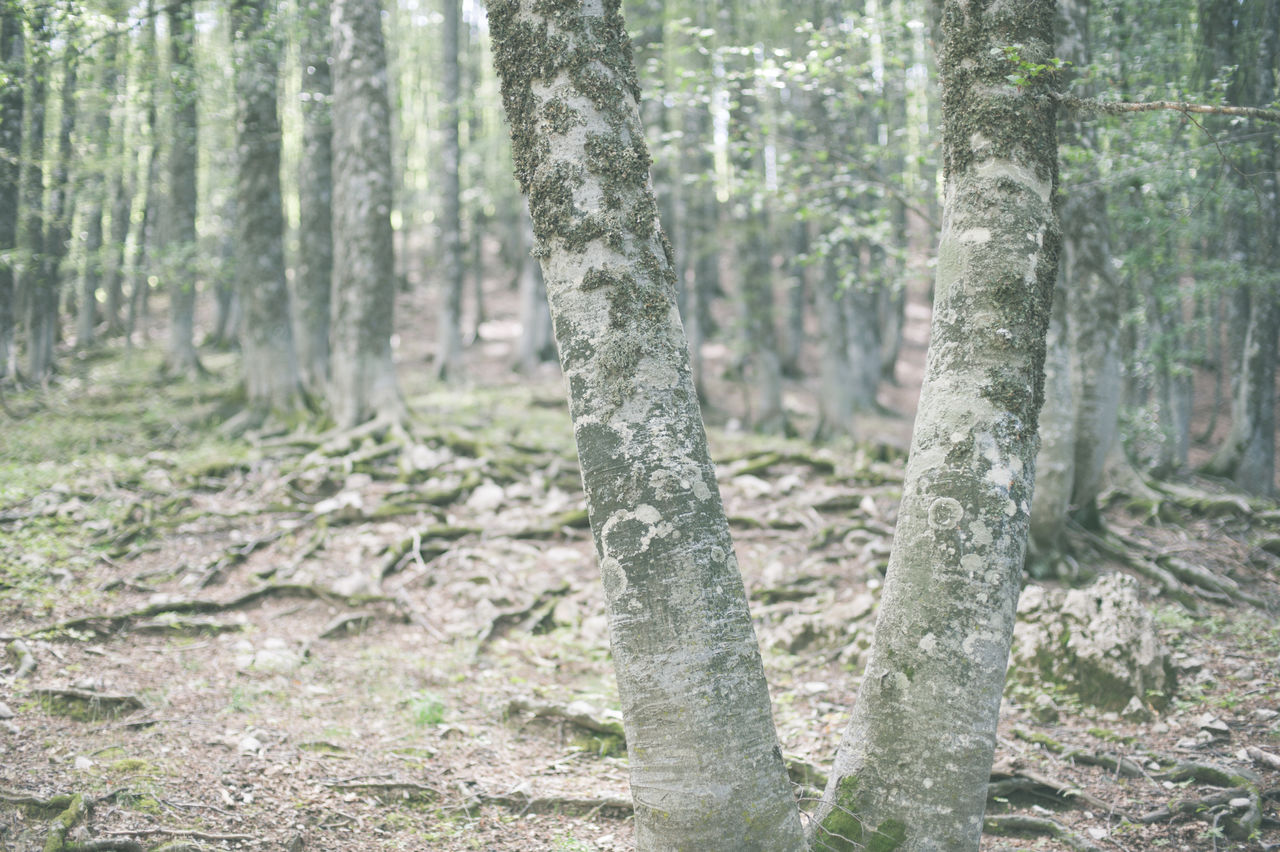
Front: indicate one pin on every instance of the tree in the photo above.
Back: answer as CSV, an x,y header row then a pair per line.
x,y
448,363
315,190
705,768
364,376
181,222
270,365
11,62
706,772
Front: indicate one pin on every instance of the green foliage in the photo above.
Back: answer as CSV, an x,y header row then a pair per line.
x,y
1025,70
426,709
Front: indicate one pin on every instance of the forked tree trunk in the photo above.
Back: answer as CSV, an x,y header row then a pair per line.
x,y
364,284
272,379
912,769
315,189
706,772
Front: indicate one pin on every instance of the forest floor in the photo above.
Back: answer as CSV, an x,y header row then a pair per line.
x,y
217,643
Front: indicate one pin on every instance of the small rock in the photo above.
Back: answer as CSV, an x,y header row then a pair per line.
x,y
1215,727
1187,744
1245,672
604,841
486,497
1239,804
1160,728
249,744
1190,665
5,712
1263,714
814,687
83,762
1096,833
1136,711
1043,710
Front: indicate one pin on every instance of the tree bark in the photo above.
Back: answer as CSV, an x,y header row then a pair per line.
x,y
272,379
11,108
364,284
706,772
912,769
315,189
180,241
448,363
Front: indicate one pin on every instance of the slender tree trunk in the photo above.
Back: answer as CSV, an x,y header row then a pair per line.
x,y
31,235
272,379
1093,298
1055,462
43,332
706,772
912,769
146,246
448,363
536,344
364,282
315,187
11,108
123,178
1248,453
93,188
180,244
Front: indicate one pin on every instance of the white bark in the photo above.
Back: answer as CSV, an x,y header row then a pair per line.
x,y
706,771
912,769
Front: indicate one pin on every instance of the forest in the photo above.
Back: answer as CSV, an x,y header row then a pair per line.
x,y
597,425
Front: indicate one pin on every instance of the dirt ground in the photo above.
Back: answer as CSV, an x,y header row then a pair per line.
x,y
276,644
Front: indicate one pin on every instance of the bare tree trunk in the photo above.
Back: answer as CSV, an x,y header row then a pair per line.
x,y
536,342
314,290
180,242
448,363
706,772
11,108
272,379
364,283
119,195
912,769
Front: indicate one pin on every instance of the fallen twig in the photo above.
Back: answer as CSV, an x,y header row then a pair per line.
x,y
26,659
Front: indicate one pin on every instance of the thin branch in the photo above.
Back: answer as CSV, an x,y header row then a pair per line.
x,y
1092,106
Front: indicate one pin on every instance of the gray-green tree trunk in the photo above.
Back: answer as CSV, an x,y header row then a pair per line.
x,y
1247,455
314,288
912,768
536,344
123,177
363,373
93,188
43,326
448,363
1094,297
11,104
706,771
146,247
28,284
270,364
180,223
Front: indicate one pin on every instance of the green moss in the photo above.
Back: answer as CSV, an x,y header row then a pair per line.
x,y
842,830
889,835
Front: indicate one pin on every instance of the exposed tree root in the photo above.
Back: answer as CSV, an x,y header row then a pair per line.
x,y
1014,824
116,621
68,810
527,618
406,789
1007,781
586,806
87,704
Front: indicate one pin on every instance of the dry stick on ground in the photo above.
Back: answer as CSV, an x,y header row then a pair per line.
x,y
185,832
26,659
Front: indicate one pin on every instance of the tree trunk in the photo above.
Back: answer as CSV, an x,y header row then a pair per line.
x,y
272,379
364,284
180,242
536,343
43,332
912,769
448,363
123,178
314,287
11,107
706,772
1055,462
